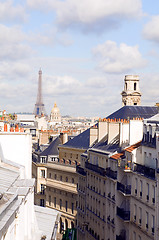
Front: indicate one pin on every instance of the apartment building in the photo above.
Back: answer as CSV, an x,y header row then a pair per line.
x,y
19,219
56,181
110,205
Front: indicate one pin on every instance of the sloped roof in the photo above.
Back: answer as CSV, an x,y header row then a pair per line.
x,y
46,219
104,146
52,149
130,112
132,147
80,141
128,149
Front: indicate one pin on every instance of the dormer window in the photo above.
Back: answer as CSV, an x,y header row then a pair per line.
x,y
43,159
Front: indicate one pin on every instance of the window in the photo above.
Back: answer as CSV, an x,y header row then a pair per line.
x,y
72,208
55,176
153,194
134,86
147,220
66,206
42,202
43,159
72,180
49,175
140,215
60,204
147,191
42,189
135,186
60,178
153,224
140,188
135,212
66,179
134,235
126,86
43,173
54,202
49,200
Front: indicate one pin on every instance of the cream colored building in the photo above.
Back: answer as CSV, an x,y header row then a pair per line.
x,y
56,181
131,94
117,188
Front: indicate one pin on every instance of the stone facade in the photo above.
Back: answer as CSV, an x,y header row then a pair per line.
x,y
131,94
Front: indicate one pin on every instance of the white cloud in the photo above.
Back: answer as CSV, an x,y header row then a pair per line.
x,y
12,43
10,13
151,29
149,88
61,85
14,70
96,15
114,59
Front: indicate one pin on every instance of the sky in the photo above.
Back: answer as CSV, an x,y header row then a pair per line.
x,y
84,48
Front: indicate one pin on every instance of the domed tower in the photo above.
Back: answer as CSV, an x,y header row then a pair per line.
x,y
131,94
55,115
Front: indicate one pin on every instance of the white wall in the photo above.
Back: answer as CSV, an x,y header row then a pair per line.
x,y
135,131
17,147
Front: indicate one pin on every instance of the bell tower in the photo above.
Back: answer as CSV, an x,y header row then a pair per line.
x,y
131,94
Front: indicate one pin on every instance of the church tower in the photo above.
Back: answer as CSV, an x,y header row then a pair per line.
x,y
131,94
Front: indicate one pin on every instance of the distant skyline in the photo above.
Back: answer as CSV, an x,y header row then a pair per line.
x,y
84,48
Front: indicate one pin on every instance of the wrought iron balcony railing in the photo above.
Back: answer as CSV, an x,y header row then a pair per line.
x,y
125,215
126,189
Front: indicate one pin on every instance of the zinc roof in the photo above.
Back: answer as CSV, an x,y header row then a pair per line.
x,y
8,177
46,218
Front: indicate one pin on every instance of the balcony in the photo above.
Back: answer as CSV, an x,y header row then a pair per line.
x,y
80,170
125,215
146,171
110,173
119,237
95,168
126,189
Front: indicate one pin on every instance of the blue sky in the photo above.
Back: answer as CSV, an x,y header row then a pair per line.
x,y
84,48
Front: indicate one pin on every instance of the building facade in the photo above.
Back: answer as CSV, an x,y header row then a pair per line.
x,y
118,183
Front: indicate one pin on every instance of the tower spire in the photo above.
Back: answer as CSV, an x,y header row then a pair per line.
x,y
131,94
39,109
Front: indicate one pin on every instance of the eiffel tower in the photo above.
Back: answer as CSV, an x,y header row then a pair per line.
x,y
39,109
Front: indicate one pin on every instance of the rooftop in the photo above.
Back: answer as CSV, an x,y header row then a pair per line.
x,y
130,112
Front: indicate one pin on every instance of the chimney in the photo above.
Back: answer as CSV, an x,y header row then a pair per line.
x,y
64,137
113,130
11,129
157,105
102,129
5,127
16,128
93,135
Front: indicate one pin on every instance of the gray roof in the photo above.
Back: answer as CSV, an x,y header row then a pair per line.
x,y
80,141
104,146
7,178
52,149
46,218
130,112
